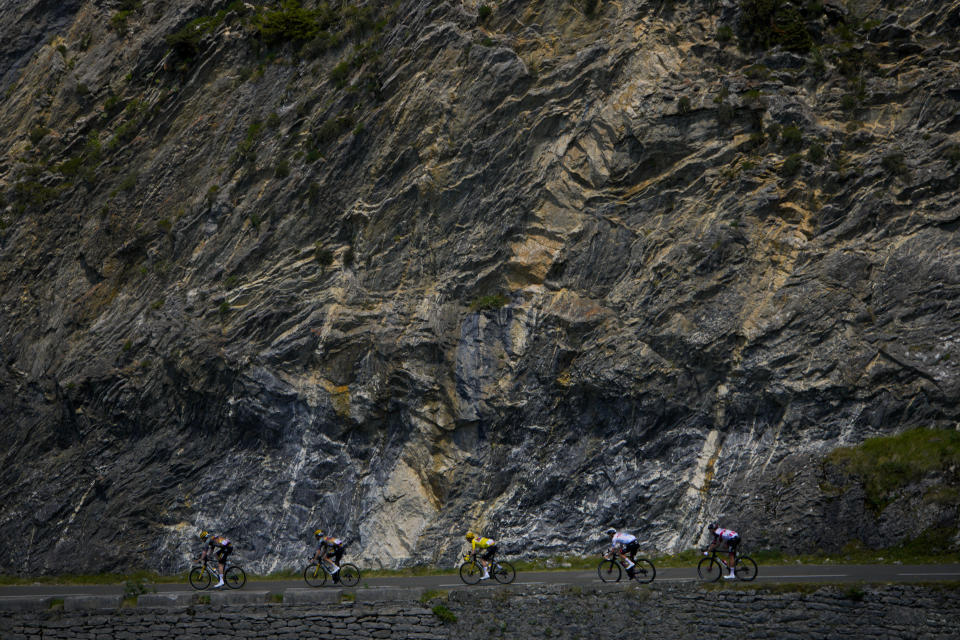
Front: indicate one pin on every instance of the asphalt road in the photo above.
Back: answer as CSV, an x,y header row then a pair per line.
x,y
771,574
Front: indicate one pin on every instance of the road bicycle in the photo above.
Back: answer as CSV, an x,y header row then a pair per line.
x,y
711,567
315,574
612,568
200,576
500,570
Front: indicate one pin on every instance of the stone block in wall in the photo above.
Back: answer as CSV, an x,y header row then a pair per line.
x,y
388,594
166,599
83,603
311,596
24,603
222,598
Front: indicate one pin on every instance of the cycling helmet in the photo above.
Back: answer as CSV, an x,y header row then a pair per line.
x,y
470,535
713,526
318,532
610,531
203,535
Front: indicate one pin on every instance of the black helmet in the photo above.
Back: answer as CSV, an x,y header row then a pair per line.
x,y
610,531
712,527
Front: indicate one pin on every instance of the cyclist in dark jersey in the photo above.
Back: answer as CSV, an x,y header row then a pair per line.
x,y
219,545
330,549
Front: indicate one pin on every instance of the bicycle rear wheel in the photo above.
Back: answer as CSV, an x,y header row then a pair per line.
x,y
709,569
235,577
643,571
470,572
609,571
349,574
503,572
199,578
314,574
746,568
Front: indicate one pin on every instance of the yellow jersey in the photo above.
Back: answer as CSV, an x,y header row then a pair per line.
x,y
482,543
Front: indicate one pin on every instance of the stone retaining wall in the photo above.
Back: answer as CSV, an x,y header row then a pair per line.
x,y
262,621
549,611
678,612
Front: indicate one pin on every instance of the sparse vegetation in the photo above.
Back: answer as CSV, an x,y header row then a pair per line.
x,y
683,105
769,23
323,256
489,303
895,164
791,137
952,154
816,153
444,614
791,165
886,464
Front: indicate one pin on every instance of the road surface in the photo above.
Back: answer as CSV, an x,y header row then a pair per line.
x,y
767,574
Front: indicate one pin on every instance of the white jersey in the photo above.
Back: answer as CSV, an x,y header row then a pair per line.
x,y
621,538
726,534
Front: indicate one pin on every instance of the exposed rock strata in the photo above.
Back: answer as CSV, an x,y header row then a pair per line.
x,y
243,292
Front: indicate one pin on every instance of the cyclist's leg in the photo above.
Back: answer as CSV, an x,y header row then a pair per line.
x,y
631,555
732,548
487,558
222,558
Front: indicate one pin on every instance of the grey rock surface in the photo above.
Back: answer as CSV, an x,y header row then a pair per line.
x,y
534,275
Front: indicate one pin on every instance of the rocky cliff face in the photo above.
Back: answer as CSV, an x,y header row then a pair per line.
x,y
402,268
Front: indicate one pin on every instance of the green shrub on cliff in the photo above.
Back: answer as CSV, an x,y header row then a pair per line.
x,y
489,303
889,463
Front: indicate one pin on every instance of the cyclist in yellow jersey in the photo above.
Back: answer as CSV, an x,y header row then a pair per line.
x,y
489,547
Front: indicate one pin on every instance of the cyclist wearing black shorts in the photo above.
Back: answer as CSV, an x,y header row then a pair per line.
x,y
728,537
219,545
489,548
624,545
331,550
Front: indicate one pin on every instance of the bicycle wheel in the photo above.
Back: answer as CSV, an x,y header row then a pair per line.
x,y
746,568
349,575
609,571
315,574
235,577
199,579
504,573
643,571
709,570
470,572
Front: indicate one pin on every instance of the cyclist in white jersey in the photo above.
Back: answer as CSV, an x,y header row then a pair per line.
x,y
728,537
625,545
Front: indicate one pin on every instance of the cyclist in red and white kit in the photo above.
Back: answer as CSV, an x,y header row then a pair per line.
x,y
624,545
728,537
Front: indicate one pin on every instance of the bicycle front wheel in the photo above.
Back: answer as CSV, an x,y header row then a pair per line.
x,y
315,575
609,571
709,570
235,577
470,572
349,575
643,571
504,573
199,578
746,568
